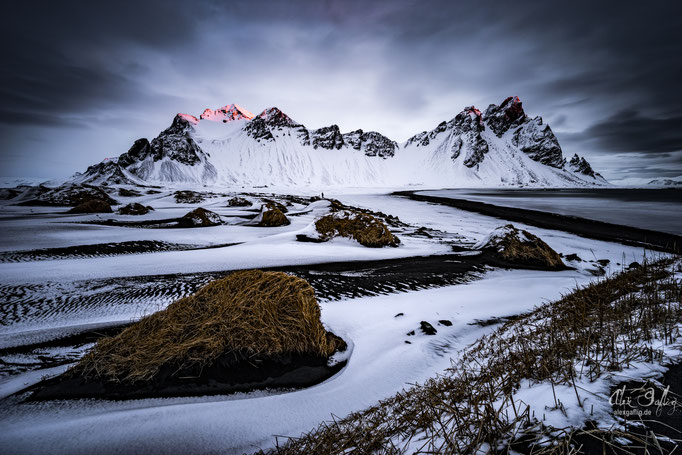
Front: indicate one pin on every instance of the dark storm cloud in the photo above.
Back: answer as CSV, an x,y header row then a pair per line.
x,y
88,77
630,131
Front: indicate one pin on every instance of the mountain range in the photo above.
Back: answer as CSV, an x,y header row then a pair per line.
x,y
231,146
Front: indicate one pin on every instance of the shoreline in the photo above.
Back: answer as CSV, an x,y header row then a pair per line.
x,y
598,230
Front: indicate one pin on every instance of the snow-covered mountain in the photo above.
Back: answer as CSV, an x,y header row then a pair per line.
x,y
232,147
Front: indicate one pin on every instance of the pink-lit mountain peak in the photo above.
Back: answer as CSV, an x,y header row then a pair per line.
x,y
227,114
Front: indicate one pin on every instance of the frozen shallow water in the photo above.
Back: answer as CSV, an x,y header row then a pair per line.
x,y
654,209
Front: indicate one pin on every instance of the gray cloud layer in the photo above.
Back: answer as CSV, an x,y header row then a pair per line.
x,y
81,80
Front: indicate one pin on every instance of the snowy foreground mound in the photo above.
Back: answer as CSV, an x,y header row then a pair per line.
x,y
230,146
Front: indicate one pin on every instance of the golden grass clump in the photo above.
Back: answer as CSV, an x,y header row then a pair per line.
x,y
522,247
92,206
273,217
248,313
366,229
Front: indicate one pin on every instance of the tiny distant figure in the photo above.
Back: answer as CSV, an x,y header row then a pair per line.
x,y
322,195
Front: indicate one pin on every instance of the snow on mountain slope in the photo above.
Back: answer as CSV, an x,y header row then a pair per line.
x,y
232,147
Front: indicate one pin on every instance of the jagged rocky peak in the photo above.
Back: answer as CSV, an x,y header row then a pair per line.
x,y
174,143
538,141
328,137
227,113
180,125
581,166
273,116
107,172
261,126
371,142
502,118
470,119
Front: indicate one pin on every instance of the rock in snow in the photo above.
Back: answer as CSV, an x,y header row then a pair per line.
x,y
230,146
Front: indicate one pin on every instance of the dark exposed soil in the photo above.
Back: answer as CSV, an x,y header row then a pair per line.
x,y
228,374
100,249
599,230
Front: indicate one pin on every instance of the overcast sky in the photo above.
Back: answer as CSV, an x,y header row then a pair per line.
x,y
80,81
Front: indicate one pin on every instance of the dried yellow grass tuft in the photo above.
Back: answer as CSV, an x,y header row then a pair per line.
x,y
248,312
273,217
522,247
363,227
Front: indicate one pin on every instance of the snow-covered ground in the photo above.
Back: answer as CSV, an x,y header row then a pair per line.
x,y
380,364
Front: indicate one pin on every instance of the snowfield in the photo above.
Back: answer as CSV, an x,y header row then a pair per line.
x,y
383,358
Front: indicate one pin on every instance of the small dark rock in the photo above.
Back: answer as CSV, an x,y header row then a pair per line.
x,y
410,333
408,342
238,202
445,322
399,314
427,329
188,197
634,265
573,257
92,206
123,192
305,238
135,208
200,217
604,262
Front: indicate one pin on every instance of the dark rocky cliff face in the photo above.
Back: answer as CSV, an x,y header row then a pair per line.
x,y
581,166
258,129
271,119
502,118
176,144
371,142
539,143
328,137
464,135
468,124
